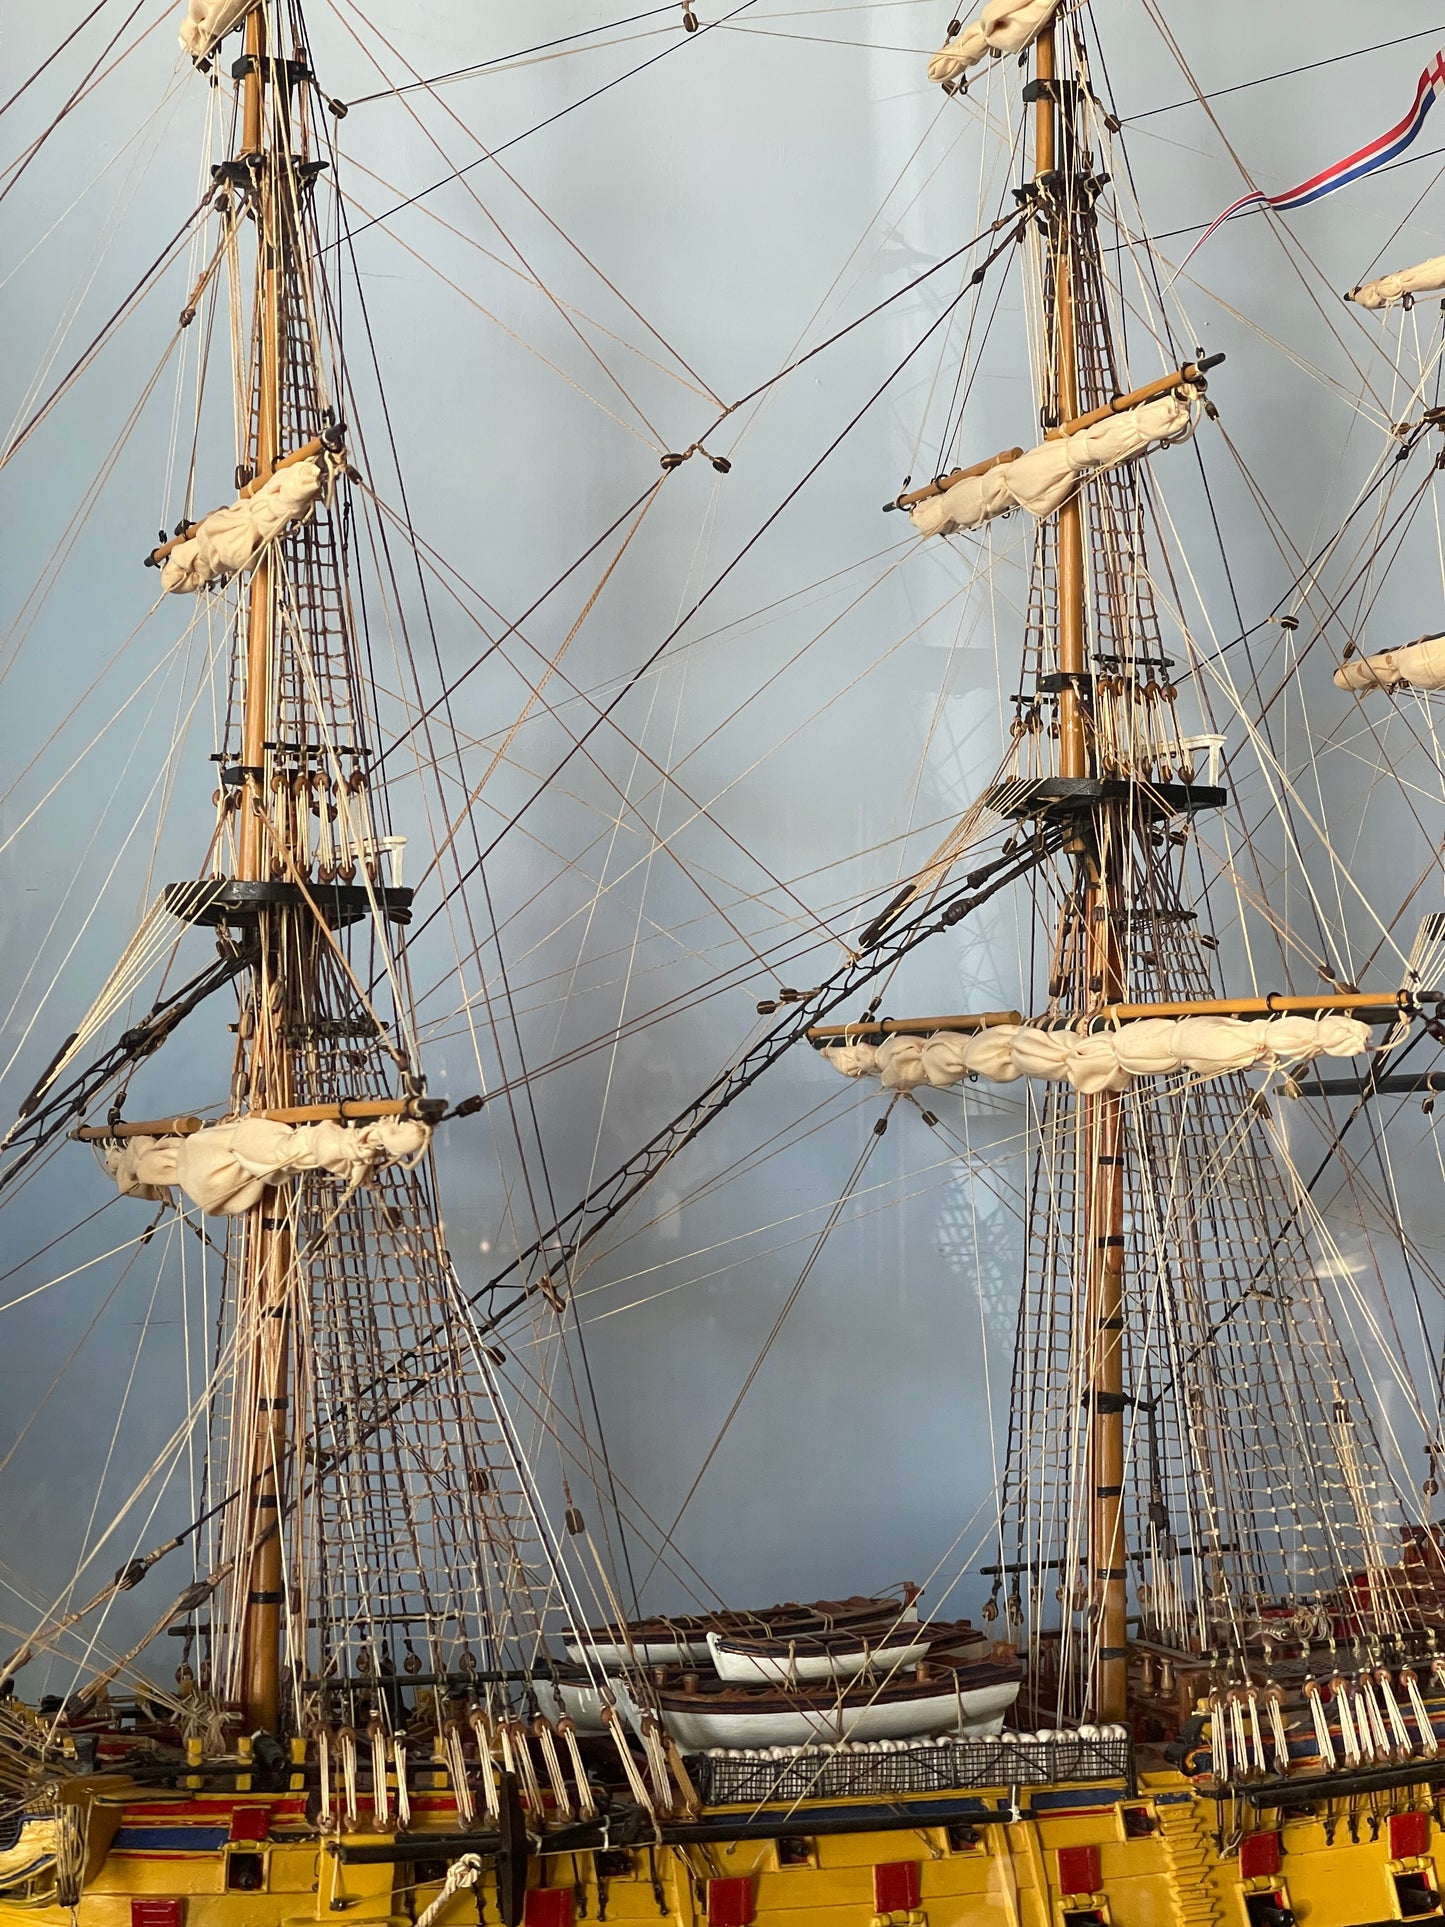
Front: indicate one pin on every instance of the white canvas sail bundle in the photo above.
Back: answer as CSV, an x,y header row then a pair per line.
x,y
1044,478
1102,1060
225,1168
1426,277
229,540
1002,27
208,21
1417,665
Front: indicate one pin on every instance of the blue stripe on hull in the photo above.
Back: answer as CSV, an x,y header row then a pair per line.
x,y
170,1839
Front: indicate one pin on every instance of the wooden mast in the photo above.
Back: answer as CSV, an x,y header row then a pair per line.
x,y
267,1249
1099,1198
1073,740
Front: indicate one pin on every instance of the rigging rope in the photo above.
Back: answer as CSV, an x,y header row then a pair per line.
x,y
571,107
840,1204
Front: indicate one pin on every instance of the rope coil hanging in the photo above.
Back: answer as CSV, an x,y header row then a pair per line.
x,y
552,1760
491,1799
380,1794
586,1805
403,1792
323,1774
465,1872
347,1748
1324,1739
457,1771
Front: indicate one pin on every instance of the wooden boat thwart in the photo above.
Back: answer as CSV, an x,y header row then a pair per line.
x,y
843,1653
969,1698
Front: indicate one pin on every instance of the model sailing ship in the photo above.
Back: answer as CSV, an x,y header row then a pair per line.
x,y
1209,1685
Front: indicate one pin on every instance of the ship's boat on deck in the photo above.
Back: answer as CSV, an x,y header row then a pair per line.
x,y
665,1641
842,1653
969,1697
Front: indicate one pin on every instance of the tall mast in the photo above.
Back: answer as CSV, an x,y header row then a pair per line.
x,y
1099,1193
267,1248
1053,139
359,1535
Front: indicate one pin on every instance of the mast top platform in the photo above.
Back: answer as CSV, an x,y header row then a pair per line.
x,y
237,900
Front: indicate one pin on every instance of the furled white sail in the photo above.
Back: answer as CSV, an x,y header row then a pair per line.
x,y
1002,27
229,540
1420,665
1044,478
225,1168
1426,277
1102,1060
208,21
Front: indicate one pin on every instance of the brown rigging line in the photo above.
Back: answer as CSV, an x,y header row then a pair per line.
x,y
705,27
555,225
508,267
1286,1229
1285,73
149,280
379,536
887,301
53,55
1282,543
667,776
605,713
605,1200
1284,234
553,665
1399,526
16,168
608,1198
1262,719
569,321
527,1094
406,524
874,1139
520,53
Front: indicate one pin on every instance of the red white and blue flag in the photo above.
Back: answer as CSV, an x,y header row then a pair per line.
x,y
1385,148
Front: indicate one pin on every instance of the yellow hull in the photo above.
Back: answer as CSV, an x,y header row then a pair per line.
x,y
1166,1857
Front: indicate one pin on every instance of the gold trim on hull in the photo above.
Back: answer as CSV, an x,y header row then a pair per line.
x,y
1168,1856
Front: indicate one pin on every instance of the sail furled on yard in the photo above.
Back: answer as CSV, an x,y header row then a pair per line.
x,y
226,1169
207,22
1044,478
412,1535
1426,277
1107,1059
1257,1484
364,1421
229,541
1001,27
1414,665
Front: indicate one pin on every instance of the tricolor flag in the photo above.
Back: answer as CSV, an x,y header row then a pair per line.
x,y
1354,166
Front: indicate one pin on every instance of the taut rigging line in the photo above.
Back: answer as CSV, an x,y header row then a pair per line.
x,y
46,1119
604,1201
